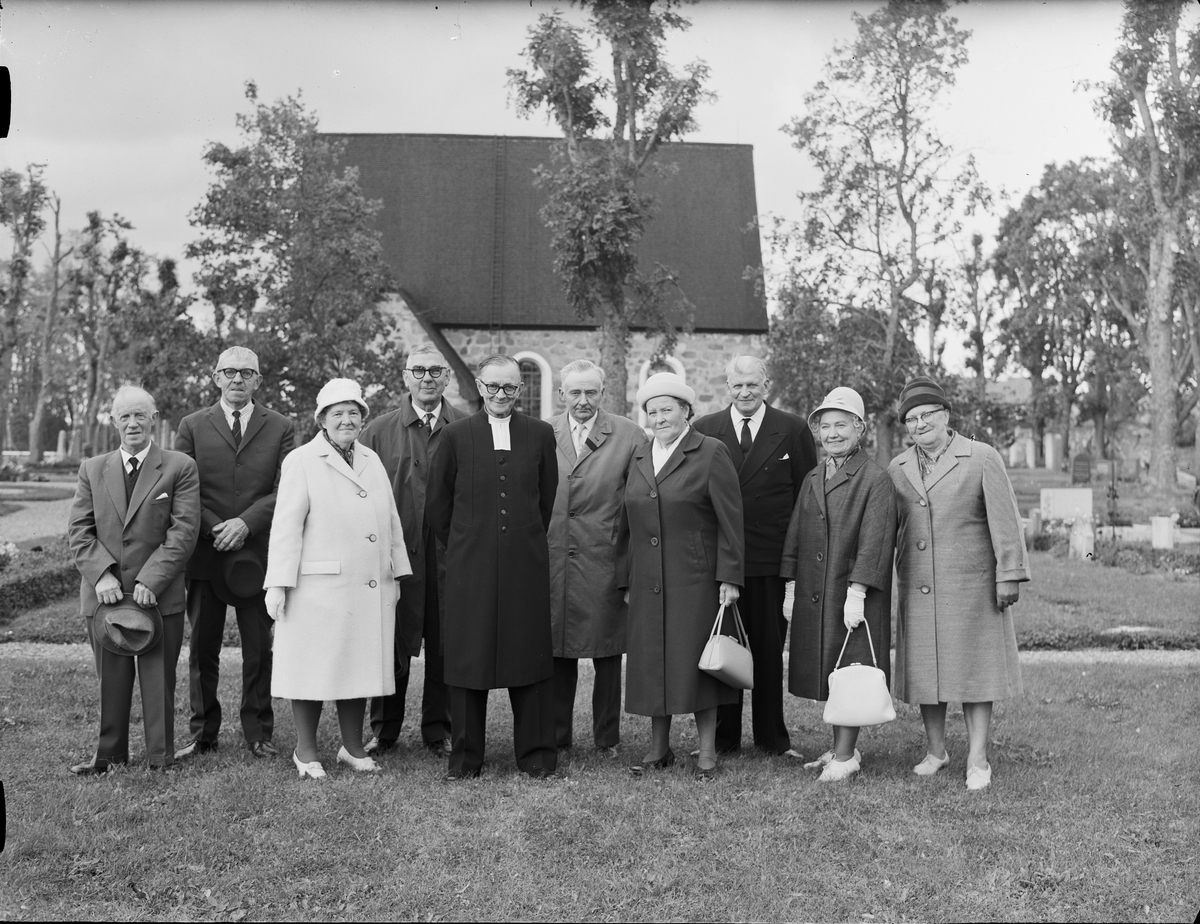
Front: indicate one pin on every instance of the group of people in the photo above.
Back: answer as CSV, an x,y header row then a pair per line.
x,y
512,548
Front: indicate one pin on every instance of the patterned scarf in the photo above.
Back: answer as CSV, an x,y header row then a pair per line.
x,y
832,464
928,462
347,453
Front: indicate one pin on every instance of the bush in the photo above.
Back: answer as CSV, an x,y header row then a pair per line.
x,y
1076,639
36,578
1141,558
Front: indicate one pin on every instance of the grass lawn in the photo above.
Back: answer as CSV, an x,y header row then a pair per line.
x,y
1093,815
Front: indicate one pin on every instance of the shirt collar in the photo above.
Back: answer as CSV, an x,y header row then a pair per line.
x,y
141,456
498,421
436,412
245,411
756,418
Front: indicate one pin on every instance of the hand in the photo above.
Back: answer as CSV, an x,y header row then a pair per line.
x,y
854,612
729,594
275,601
627,598
1007,593
230,535
143,595
108,588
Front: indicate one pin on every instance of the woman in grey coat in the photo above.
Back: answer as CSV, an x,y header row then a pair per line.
x,y
960,559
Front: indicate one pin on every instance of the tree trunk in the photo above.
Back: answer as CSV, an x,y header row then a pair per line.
x,y
885,438
46,352
614,353
1159,330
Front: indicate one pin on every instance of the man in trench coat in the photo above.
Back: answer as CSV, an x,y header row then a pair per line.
x,y
492,482
587,609
405,440
772,451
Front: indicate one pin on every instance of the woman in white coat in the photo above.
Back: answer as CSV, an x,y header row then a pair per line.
x,y
337,550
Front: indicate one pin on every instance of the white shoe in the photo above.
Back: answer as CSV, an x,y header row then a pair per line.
x,y
821,762
931,765
979,777
312,769
359,764
837,770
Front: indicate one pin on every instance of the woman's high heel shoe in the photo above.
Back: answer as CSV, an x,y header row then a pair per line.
x,y
667,760
311,769
358,764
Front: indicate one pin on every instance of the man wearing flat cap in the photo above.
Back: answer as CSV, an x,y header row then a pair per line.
x,y
492,481
239,446
132,527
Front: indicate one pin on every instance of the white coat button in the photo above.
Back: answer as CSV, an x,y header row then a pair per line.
x,y
371,583
372,537
654,540
921,502
362,493
924,588
921,545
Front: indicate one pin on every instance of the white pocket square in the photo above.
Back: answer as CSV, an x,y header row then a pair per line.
x,y
161,496
785,457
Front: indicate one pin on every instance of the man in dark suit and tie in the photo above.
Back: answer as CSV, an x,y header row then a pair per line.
x,y
405,439
239,447
773,451
133,525
491,491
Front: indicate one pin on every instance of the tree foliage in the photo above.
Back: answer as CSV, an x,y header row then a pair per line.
x,y
612,129
290,261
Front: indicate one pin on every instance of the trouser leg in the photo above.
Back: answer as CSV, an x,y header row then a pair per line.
x,y
766,644
387,712
533,726
156,675
606,702
468,722
435,701
206,615
116,673
566,679
257,715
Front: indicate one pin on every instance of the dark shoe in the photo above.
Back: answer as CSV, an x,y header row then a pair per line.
x,y
706,774
379,746
97,766
542,775
607,752
194,748
439,748
263,749
667,760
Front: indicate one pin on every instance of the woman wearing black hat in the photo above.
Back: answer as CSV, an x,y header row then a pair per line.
x,y
960,558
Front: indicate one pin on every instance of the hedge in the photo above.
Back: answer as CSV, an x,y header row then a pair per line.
x,y
1074,639
1141,558
36,578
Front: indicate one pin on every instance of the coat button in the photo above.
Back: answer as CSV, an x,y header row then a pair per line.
x,y
372,537
503,478
238,464
571,514
503,529
921,502
921,545
820,557
126,541
656,588
654,540
654,494
360,493
124,567
816,597
502,494
821,515
503,513
371,584
570,553
924,588
237,493
416,463
501,461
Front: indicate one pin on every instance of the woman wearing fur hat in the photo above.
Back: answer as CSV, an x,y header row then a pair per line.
x,y
839,550
960,558
337,550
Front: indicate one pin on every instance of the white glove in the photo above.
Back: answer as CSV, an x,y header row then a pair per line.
x,y
854,612
276,598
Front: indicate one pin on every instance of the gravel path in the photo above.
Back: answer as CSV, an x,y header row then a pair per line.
x,y
36,520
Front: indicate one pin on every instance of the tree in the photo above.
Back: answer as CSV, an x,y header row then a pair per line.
x,y
23,200
46,373
596,211
1153,105
891,194
289,258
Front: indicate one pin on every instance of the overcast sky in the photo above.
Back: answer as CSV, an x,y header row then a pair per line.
x,y
119,99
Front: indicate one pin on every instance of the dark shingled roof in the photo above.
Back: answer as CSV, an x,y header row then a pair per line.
x,y
462,235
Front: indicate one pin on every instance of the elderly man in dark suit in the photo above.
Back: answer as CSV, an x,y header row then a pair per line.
x,y
132,527
587,609
490,497
773,451
239,447
405,440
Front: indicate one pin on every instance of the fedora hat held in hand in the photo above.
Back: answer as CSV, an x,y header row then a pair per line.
x,y
127,629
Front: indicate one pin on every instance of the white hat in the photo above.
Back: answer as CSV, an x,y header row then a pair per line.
x,y
840,399
335,391
668,384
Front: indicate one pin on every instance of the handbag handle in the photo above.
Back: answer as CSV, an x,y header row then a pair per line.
x,y
737,621
874,660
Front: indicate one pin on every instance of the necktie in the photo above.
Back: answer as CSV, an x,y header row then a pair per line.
x,y
131,478
746,440
237,428
578,440
428,423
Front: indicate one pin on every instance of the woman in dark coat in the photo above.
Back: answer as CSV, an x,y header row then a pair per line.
x,y
680,554
839,550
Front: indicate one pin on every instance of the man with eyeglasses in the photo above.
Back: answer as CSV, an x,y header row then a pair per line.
x,y
239,447
405,439
492,481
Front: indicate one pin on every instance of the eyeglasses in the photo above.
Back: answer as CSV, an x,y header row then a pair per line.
x,y
492,388
246,374
418,372
921,418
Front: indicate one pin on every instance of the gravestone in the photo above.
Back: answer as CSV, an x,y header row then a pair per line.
x,y
1066,503
1081,470
1162,532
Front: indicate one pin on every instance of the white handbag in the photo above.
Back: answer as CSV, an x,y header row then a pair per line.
x,y
728,658
858,693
